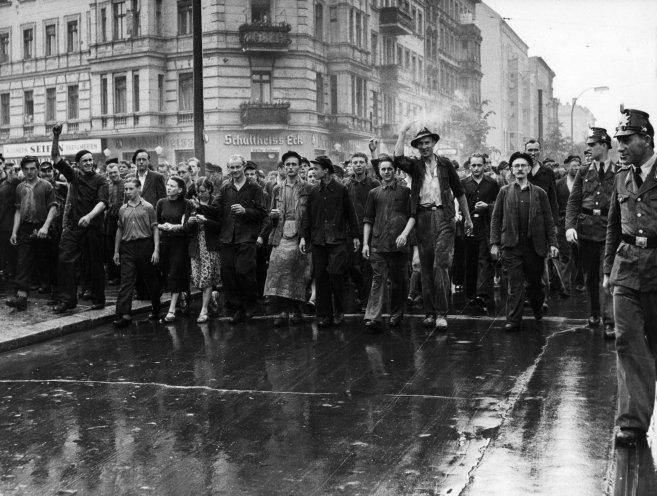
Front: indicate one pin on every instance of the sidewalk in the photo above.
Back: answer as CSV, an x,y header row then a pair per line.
x,y
39,323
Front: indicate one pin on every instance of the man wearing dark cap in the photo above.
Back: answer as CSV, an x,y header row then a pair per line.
x,y
434,186
327,228
8,184
82,235
35,209
630,273
586,224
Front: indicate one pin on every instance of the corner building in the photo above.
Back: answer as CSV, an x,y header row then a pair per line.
x,y
321,77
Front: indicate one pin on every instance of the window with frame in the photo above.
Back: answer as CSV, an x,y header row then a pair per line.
x,y
359,29
334,94
103,24
319,21
160,92
135,11
120,95
51,104
333,23
358,93
119,15
158,17
28,43
261,87
28,107
73,102
184,17
135,92
104,88
261,11
319,85
4,109
186,92
4,48
72,36
51,40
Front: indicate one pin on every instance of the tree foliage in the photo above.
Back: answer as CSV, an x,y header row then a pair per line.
x,y
470,127
556,146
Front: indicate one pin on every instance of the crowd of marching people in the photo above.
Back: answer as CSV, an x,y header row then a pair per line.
x,y
400,229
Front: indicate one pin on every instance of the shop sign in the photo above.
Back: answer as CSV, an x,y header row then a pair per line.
x,y
255,140
43,148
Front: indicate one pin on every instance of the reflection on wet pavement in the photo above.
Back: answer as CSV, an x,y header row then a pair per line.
x,y
210,409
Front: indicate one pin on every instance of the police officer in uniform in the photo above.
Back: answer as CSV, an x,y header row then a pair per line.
x,y
630,273
586,224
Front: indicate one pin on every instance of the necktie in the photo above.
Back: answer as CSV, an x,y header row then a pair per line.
x,y
601,170
637,176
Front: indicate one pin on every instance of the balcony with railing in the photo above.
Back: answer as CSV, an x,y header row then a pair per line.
x,y
72,127
347,124
185,117
265,37
395,22
395,75
261,114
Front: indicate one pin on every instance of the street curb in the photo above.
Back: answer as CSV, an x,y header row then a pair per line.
x,y
68,324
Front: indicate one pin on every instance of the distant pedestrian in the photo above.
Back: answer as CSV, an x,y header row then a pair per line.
x,y
137,251
116,189
522,234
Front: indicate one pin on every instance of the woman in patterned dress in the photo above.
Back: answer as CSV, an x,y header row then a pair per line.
x,y
204,247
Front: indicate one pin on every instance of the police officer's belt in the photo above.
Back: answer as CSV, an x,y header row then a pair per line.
x,y
596,211
640,241
429,207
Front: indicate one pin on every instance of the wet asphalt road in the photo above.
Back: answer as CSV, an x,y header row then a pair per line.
x,y
252,410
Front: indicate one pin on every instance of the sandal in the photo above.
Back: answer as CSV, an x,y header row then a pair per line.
x,y
202,318
170,317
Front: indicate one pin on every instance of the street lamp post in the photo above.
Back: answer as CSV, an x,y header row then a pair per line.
x,y
572,109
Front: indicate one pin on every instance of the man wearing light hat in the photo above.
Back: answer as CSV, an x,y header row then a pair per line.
x,y
630,273
586,224
434,186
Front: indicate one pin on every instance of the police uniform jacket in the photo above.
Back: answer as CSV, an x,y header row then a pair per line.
x,y
633,212
588,204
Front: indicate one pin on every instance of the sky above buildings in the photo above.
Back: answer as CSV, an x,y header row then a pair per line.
x,y
591,43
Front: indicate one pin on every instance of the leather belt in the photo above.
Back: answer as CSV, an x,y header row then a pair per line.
x,y
429,207
596,211
640,241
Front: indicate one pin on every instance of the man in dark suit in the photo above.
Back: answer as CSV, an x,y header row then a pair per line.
x,y
523,227
152,183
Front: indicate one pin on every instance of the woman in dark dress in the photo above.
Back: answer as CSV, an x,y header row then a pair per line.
x,y
171,212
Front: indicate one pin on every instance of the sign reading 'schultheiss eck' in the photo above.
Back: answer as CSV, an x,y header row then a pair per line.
x,y
42,148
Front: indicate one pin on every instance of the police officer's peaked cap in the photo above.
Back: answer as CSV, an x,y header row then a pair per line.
x,y
598,134
423,133
634,122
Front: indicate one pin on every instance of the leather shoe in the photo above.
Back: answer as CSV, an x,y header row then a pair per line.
x,y
62,307
97,306
610,331
237,317
17,302
372,324
153,315
121,323
395,321
628,437
509,327
538,313
429,321
296,318
86,295
594,321
338,318
324,321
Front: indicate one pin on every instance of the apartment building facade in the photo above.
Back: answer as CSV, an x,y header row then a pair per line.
x,y
321,77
